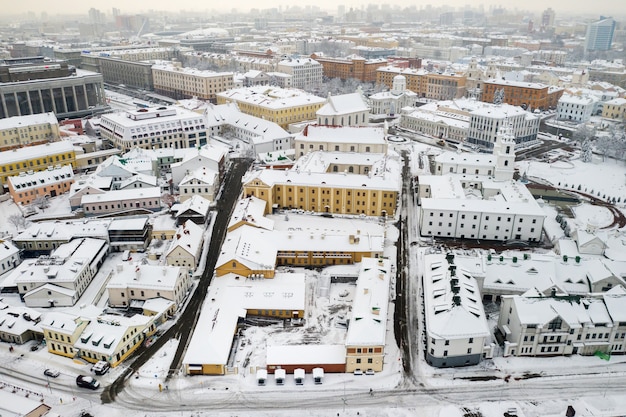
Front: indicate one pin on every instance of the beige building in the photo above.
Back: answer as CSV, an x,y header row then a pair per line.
x,y
186,248
278,105
131,282
340,139
173,80
370,195
615,109
34,129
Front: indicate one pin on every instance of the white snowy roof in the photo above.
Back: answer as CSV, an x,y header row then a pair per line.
x,y
275,177
104,334
320,161
36,151
343,134
368,323
121,195
272,97
189,237
251,210
169,67
452,311
126,275
196,203
227,299
130,223
26,181
343,104
201,176
17,122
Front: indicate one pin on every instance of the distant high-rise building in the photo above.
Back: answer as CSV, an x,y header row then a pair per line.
x,y
547,18
600,34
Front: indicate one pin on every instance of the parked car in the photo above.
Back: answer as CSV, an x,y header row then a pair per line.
x,y
52,373
85,381
101,367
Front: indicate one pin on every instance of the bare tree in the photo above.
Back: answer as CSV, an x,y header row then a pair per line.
x,y
41,202
17,220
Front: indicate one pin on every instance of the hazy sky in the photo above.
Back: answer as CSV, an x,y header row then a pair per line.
x,y
606,7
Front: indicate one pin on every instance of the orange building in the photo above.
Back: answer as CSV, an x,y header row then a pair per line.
x,y
526,95
28,186
351,67
436,86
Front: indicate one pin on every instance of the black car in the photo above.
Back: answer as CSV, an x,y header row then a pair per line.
x,y
85,381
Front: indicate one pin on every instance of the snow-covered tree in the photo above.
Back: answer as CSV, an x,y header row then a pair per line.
x,y
586,154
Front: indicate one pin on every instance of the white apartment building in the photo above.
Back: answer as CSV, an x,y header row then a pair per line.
x,y
156,127
575,108
476,198
457,333
535,325
305,72
470,120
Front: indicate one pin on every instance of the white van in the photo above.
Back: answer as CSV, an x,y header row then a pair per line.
x,y
126,255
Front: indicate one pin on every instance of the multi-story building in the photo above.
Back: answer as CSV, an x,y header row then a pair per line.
x,y
599,36
173,80
120,201
473,121
129,233
60,279
201,181
340,139
344,110
436,86
306,73
186,248
113,338
529,96
61,331
575,108
264,135
352,66
537,325
35,158
390,103
365,341
28,187
457,333
39,87
281,106
371,195
450,208
615,109
35,129
130,282
157,127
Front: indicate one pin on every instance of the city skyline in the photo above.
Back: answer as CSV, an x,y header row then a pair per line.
x,y
598,7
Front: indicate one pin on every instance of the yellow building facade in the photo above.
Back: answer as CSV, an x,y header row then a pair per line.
x,y
277,105
305,193
35,158
35,129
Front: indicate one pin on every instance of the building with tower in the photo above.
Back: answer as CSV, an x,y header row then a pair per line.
x,y
390,103
474,196
600,34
